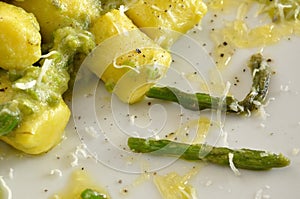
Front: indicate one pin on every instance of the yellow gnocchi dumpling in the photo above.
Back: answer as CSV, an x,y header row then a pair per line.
x,y
52,15
164,21
20,39
129,62
40,132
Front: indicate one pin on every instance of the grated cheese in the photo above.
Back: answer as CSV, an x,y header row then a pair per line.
x,y
284,88
136,69
281,8
53,52
295,151
265,154
91,131
260,194
11,173
56,172
74,163
45,67
156,8
80,152
262,125
232,166
26,85
224,134
5,188
132,119
208,183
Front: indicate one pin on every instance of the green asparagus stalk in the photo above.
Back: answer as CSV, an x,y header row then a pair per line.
x,y
44,86
197,101
91,194
241,158
261,74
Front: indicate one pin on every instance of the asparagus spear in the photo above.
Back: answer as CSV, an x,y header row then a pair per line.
x,y
242,158
261,74
197,101
43,86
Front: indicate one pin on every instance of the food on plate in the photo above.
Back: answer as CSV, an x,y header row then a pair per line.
x,y
81,186
33,115
165,21
280,10
20,40
235,158
261,74
132,62
31,99
91,194
173,185
38,132
36,96
259,32
52,15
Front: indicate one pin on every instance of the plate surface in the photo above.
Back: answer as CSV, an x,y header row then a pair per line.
x,y
103,124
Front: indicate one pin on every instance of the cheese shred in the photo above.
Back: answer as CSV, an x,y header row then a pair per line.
x,y
232,166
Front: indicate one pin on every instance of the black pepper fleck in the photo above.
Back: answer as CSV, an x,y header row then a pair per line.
x,y
138,51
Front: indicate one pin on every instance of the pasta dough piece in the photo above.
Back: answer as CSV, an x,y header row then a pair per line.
x,y
20,40
39,132
52,15
127,60
165,21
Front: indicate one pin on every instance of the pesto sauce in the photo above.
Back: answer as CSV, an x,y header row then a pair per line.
x,y
37,87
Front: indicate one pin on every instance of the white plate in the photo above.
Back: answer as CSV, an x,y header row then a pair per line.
x,y
30,176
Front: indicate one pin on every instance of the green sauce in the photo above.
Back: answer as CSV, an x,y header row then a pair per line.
x,y
39,88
